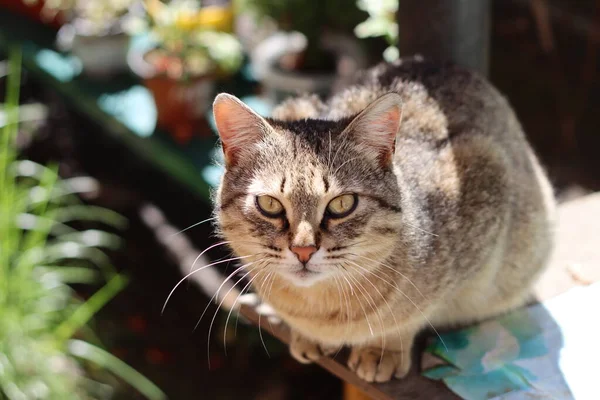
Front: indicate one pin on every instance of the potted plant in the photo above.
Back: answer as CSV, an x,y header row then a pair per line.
x,y
188,50
96,34
313,45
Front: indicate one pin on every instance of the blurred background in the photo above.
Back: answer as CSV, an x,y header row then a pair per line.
x,y
108,150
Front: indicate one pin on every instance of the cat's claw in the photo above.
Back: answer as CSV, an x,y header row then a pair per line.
x,y
373,365
307,351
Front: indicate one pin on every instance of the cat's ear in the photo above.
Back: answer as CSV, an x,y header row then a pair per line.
x,y
239,127
376,127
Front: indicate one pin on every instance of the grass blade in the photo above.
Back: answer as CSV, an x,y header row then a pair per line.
x,y
87,310
106,360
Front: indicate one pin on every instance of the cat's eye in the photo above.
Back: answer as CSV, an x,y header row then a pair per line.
x,y
342,205
269,206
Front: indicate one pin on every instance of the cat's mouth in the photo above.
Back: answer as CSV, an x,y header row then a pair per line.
x,y
304,273
303,276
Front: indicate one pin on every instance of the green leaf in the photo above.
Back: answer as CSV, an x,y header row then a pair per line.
x,y
106,360
87,310
92,238
66,274
92,213
73,251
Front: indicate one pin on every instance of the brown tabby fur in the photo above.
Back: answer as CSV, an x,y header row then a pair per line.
x,y
454,230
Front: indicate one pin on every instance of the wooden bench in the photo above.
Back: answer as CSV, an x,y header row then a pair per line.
x,y
576,261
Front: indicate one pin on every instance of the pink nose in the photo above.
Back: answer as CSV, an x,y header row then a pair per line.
x,y
303,253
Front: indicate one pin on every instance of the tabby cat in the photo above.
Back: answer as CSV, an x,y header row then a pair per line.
x,y
410,199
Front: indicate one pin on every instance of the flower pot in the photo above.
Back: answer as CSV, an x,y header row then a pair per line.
x,y
34,12
181,106
280,84
101,56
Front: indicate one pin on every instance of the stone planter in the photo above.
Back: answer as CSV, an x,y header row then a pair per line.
x,y
280,83
101,56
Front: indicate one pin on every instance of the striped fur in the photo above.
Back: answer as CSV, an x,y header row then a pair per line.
x,y
454,229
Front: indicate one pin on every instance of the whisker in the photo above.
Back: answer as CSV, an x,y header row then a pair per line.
x,y
384,299
192,226
198,270
341,291
240,294
262,340
418,309
260,325
205,250
221,244
233,306
217,310
218,259
420,229
392,269
214,296
270,276
329,156
383,337
361,306
376,311
340,146
344,163
270,289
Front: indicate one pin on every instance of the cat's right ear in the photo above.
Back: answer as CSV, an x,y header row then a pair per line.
x,y
239,127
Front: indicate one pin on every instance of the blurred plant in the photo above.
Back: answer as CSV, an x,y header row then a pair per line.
x,y
97,17
104,16
190,41
52,7
40,255
381,22
312,19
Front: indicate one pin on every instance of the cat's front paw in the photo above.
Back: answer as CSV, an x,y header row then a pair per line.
x,y
307,351
375,365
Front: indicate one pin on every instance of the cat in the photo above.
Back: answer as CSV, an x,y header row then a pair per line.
x,y
408,200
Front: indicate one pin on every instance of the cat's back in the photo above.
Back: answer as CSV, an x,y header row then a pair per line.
x,y
440,101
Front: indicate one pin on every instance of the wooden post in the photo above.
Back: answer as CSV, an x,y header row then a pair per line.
x,y
446,30
351,392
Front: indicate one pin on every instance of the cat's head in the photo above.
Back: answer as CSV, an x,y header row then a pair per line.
x,y
309,199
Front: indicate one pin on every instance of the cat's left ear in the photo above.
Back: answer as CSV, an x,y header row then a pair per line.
x,y
238,125
376,127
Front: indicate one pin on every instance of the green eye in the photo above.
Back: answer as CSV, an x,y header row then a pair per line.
x,y
342,205
269,206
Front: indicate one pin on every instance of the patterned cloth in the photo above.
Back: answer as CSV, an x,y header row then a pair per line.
x,y
548,350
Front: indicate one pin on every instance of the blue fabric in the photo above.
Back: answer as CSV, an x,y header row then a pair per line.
x,y
546,350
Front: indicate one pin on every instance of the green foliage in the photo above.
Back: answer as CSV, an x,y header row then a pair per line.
x,y
40,254
381,23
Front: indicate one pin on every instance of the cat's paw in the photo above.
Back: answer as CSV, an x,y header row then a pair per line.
x,y
374,365
307,351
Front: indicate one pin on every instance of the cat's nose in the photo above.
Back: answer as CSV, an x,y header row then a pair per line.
x,y
303,252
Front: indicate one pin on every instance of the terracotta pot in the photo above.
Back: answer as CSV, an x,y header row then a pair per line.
x,y
34,12
181,106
